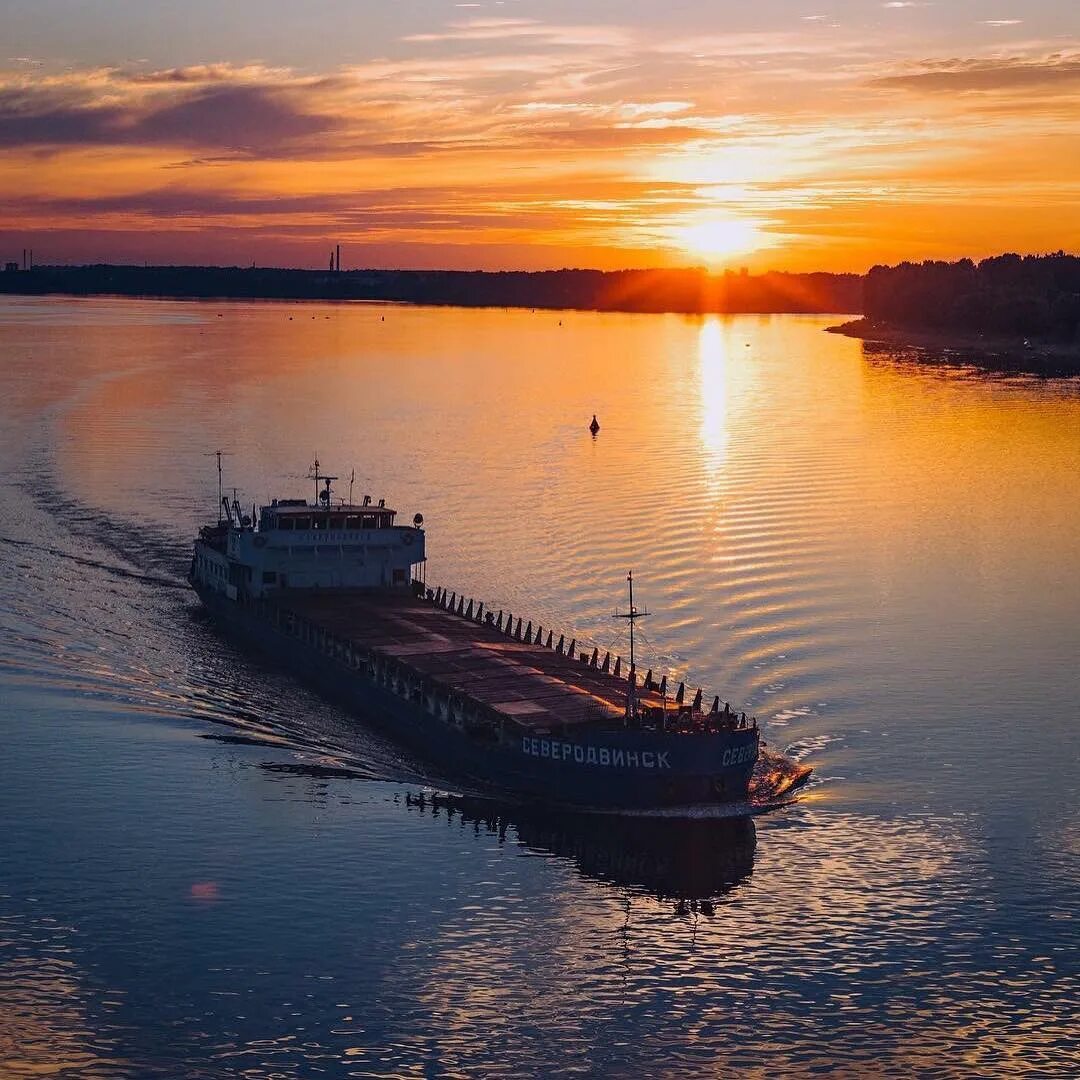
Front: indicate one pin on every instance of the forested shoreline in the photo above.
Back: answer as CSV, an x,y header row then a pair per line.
x,y
691,291
1030,296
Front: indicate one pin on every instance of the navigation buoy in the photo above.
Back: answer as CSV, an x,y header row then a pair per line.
x,y
594,427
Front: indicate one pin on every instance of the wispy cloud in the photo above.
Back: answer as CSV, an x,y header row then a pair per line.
x,y
532,31
988,75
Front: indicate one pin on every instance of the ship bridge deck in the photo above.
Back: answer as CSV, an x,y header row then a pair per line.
x,y
537,687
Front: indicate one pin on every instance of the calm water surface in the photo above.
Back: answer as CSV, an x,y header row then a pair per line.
x,y
205,871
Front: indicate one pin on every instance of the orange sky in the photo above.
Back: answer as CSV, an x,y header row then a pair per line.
x,y
488,137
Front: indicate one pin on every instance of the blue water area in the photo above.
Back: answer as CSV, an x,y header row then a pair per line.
x,y
208,871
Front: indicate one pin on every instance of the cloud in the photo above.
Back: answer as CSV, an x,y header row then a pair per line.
x,y
209,113
1008,74
532,31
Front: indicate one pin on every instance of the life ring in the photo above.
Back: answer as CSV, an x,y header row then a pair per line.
x,y
260,541
407,539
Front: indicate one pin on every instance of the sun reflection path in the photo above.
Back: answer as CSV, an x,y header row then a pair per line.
x,y
713,361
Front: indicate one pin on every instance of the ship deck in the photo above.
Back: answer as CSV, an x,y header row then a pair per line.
x,y
537,687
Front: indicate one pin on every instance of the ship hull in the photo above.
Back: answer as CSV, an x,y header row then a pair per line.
x,y
615,770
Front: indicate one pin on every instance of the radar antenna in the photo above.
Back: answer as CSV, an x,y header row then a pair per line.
x,y
314,474
631,617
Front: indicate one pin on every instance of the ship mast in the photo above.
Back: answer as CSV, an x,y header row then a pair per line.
x,y
219,454
631,617
324,496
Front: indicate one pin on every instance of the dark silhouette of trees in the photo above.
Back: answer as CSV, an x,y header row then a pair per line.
x,y
688,291
1033,296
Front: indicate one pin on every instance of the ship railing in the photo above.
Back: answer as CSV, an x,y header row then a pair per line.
x,y
521,629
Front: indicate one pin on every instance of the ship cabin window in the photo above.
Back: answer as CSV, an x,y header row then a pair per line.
x,y
352,521
302,523
399,577
377,521
337,522
269,577
286,523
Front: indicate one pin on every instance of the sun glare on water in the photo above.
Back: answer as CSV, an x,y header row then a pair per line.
x,y
718,239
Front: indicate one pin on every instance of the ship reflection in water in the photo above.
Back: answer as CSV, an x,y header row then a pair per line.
x,y
692,862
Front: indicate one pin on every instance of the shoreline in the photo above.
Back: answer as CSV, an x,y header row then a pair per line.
x,y
690,291
994,352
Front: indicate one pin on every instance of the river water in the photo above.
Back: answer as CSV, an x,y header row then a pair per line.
x,y
205,871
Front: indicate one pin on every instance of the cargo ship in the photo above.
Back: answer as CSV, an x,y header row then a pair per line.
x,y
336,592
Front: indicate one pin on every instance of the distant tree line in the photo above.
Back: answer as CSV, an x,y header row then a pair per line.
x,y
1028,296
690,291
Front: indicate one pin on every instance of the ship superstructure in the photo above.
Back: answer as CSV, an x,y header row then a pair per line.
x,y
336,591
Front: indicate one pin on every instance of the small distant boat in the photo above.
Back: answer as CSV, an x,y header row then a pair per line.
x,y
594,427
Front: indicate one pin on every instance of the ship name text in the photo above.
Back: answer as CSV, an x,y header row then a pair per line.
x,y
595,755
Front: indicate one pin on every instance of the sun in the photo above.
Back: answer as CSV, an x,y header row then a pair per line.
x,y
717,239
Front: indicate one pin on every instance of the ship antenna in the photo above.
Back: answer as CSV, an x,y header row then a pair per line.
x,y
631,617
219,454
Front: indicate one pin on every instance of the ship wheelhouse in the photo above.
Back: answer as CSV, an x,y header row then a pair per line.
x,y
296,544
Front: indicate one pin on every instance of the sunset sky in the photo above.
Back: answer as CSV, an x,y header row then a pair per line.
x,y
779,134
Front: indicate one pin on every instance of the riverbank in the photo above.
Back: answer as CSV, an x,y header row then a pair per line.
x,y
649,291
993,352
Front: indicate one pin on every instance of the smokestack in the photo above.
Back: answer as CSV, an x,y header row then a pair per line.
x,y
24,258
